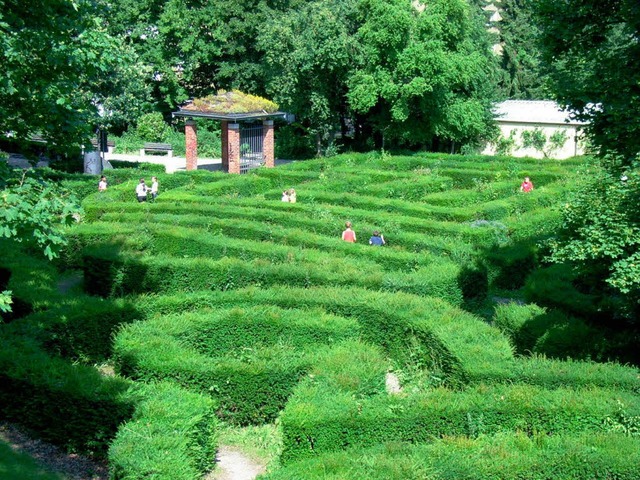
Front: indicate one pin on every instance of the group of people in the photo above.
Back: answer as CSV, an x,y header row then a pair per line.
x,y
142,190
289,196
378,240
350,236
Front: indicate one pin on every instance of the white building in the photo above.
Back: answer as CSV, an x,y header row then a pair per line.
x,y
536,116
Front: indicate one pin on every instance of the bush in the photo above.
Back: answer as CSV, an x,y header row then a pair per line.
x,y
504,456
248,359
172,436
69,405
151,127
318,419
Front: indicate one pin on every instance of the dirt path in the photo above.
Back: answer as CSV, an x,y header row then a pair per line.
x,y
72,466
232,464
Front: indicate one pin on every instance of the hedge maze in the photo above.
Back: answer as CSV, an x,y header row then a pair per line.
x,y
219,302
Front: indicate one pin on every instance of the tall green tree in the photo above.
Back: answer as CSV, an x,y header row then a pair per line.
x,y
523,73
309,54
192,48
426,76
593,51
59,65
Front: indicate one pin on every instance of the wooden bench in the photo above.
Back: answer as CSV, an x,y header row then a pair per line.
x,y
110,144
157,148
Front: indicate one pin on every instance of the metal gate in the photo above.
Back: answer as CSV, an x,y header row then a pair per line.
x,y
251,155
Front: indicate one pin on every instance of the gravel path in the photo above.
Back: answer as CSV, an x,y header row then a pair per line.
x,y
232,464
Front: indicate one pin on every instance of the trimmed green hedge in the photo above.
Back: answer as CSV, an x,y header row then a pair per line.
x,y
171,436
69,405
427,333
109,272
320,419
552,333
499,457
184,241
248,359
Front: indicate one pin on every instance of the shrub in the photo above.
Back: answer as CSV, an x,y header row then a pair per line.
x,y
318,419
151,127
505,456
171,436
249,360
69,405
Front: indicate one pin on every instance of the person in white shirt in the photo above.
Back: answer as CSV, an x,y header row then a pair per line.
x,y
141,191
102,184
154,187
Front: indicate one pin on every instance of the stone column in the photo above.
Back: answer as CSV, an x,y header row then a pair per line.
x,y
234,147
267,144
191,137
224,137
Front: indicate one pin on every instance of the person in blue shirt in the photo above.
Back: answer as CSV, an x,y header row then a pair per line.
x,y
376,239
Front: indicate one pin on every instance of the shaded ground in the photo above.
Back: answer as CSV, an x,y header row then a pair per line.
x,y
72,466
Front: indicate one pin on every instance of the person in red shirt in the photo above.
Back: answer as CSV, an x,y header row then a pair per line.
x,y
527,185
349,235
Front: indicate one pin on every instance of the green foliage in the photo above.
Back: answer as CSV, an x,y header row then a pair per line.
x,y
152,128
537,140
72,65
172,435
34,211
73,406
506,145
600,235
249,360
234,101
508,457
416,64
591,50
523,75
340,419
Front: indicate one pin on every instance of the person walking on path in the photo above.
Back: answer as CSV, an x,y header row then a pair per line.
x,y
377,239
154,187
349,235
526,186
102,184
141,191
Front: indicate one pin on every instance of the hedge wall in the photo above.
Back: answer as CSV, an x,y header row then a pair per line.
x,y
248,359
109,272
171,436
497,457
69,405
319,419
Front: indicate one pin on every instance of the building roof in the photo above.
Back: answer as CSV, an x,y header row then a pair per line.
x,y
533,112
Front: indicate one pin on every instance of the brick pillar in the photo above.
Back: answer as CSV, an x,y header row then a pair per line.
x,y
234,147
224,137
267,144
191,137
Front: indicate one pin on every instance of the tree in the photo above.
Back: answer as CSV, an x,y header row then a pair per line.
x,y
33,211
58,66
593,51
191,48
426,72
523,76
309,54
600,237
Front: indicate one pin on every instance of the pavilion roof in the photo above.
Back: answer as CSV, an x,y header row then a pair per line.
x,y
230,105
